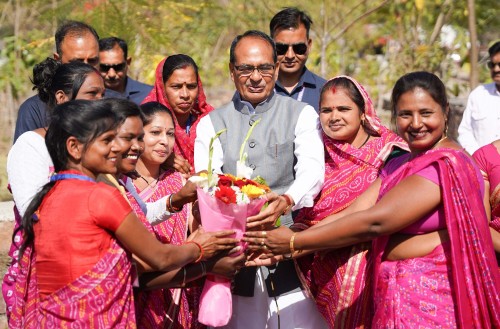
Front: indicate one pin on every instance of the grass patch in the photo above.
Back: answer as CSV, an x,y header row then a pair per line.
x,y
4,192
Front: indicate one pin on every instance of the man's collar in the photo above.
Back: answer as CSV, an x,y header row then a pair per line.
x,y
243,105
306,78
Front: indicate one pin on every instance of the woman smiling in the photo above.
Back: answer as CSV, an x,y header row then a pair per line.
x,y
434,263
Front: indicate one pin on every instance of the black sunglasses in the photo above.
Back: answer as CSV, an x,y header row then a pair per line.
x,y
298,48
117,67
493,64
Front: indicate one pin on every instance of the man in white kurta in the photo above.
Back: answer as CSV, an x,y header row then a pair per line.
x,y
286,149
481,119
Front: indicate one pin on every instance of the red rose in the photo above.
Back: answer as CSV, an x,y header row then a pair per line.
x,y
225,181
226,195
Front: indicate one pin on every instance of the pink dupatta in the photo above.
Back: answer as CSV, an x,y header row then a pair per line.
x,y
101,298
474,272
184,142
166,308
338,279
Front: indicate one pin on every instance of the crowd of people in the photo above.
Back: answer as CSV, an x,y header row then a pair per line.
x,y
377,228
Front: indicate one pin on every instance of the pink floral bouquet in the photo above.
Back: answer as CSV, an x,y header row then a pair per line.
x,y
225,201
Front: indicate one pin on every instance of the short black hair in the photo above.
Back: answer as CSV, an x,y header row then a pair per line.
x,y
106,44
494,49
251,33
74,28
290,17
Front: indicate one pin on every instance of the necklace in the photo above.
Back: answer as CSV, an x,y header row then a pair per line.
x,y
439,141
150,183
366,140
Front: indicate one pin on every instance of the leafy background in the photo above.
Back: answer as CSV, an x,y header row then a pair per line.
x,y
375,41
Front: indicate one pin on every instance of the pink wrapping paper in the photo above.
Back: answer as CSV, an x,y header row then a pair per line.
x,y
216,305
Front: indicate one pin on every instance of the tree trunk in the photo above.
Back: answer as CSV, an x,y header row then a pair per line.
x,y
474,76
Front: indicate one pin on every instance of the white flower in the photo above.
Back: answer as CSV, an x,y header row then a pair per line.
x,y
242,170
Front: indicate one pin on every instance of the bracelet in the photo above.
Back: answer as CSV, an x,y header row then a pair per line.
x,y
183,284
203,269
170,207
292,249
201,251
289,203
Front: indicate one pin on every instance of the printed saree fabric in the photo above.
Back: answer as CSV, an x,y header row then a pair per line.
x,y
9,280
469,260
338,280
166,308
101,298
184,142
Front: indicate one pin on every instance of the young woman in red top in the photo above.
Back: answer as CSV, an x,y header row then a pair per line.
x,y
79,234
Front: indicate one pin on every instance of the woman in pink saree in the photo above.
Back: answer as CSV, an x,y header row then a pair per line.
x,y
75,257
434,263
488,160
168,307
175,307
354,155
178,87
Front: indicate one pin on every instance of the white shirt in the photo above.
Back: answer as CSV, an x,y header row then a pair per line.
x,y
481,119
28,168
309,151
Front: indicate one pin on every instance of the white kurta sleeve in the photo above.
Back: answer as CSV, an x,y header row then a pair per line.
x,y
310,166
466,136
204,132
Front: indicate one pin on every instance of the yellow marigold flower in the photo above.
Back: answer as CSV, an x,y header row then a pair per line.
x,y
252,191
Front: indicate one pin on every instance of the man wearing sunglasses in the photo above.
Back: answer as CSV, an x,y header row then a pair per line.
x,y
75,41
290,31
285,149
481,119
113,66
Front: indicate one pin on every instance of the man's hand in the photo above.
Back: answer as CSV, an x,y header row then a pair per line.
x,y
179,164
277,205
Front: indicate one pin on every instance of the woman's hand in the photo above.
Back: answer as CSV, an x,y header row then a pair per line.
x,y
262,259
213,242
267,217
276,241
227,266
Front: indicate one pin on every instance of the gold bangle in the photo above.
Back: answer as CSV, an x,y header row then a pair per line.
x,y
292,239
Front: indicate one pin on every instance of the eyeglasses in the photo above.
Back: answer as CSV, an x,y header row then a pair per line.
x,y
117,67
298,48
493,64
265,70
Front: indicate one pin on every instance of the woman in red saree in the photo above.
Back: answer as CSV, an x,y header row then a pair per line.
x,y
178,87
354,156
434,263
75,261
